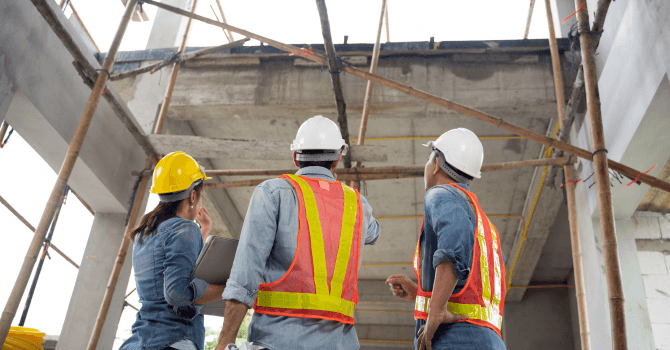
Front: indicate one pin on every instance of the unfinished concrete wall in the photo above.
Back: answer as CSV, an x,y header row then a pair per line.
x,y
652,233
540,321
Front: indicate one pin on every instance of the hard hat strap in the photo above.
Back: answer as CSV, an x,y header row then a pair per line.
x,y
177,196
317,157
449,169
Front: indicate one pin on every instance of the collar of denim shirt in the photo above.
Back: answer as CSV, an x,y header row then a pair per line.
x,y
316,172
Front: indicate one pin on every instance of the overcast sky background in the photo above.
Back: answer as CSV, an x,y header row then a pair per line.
x,y
26,180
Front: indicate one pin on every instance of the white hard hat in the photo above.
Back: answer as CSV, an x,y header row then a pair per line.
x,y
319,133
462,150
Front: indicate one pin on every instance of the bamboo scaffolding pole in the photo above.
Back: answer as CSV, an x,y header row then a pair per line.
x,y
118,264
530,16
412,169
223,19
487,118
368,89
74,12
45,251
578,92
334,69
3,131
386,14
32,228
173,78
63,177
580,289
88,71
181,57
225,33
556,66
604,192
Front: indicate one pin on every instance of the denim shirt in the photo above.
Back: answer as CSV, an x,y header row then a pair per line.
x,y
163,263
449,234
266,250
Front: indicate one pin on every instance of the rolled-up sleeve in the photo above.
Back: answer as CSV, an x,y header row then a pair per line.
x,y
372,233
253,250
453,225
182,247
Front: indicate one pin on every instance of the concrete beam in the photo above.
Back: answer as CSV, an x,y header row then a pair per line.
x,y
205,147
418,109
46,117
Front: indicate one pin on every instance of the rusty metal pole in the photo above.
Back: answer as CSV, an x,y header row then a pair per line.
x,y
556,65
118,264
173,79
63,177
580,289
368,89
604,192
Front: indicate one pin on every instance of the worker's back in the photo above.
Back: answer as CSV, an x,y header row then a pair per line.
x,y
267,250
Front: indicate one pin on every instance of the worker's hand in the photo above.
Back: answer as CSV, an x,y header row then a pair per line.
x,y
435,318
402,287
205,222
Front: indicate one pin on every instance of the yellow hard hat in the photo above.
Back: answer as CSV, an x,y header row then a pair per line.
x,y
176,172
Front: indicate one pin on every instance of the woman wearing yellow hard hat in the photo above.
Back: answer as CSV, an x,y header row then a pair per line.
x,y
167,243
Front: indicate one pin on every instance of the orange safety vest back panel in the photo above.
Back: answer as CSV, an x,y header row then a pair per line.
x,y
483,297
322,281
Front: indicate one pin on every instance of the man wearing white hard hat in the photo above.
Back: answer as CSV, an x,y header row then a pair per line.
x,y
303,236
458,260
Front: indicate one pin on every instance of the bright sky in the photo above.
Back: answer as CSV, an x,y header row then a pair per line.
x,y
26,180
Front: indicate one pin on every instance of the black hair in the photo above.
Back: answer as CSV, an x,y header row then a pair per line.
x,y
328,164
162,212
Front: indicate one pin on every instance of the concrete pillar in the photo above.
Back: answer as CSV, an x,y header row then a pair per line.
x,y
6,90
103,244
149,89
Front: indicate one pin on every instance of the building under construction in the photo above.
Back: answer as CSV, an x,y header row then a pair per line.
x,y
576,174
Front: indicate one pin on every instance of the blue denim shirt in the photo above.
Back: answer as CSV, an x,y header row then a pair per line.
x,y
266,250
163,263
449,234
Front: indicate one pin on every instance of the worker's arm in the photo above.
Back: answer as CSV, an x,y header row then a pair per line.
x,y
213,293
445,281
232,320
402,287
372,233
256,241
182,247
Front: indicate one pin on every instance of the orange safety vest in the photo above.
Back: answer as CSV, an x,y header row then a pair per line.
x,y
483,296
322,281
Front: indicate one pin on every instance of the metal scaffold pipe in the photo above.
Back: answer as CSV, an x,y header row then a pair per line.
x,y
63,177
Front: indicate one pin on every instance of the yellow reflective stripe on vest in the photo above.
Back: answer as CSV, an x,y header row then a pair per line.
x,y
483,260
497,283
305,301
316,237
346,240
473,311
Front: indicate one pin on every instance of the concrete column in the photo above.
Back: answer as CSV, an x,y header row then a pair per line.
x,y
149,89
6,90
103,244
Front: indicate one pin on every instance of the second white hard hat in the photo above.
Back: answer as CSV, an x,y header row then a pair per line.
x,y
462,150
319,133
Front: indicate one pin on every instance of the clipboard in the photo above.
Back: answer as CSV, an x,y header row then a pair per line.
x,y
213,265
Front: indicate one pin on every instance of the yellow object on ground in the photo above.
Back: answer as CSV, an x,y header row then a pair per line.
x,y
21,338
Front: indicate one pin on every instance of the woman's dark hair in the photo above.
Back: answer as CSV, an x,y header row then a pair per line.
x,y
328,164
162,212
